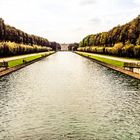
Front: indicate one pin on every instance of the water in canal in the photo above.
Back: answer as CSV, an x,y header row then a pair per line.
x,y
69,97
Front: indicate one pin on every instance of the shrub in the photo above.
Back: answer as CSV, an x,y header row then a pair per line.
x,y
1,49
137,51
138,41
79,49
100,50
109,50
128,50
117,49
93,49
87,49
11,48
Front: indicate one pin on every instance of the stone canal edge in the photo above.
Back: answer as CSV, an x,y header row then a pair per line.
x,y
128,67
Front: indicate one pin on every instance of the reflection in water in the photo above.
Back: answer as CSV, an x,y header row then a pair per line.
x,y
66,96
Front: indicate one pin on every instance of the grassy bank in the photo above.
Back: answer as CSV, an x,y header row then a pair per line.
x,y
116,63
23,59
102,59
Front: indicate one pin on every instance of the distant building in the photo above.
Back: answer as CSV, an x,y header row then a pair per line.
x,y
64,47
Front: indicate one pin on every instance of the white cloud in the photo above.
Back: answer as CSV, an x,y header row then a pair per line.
x,y
87,2
137,2
67,21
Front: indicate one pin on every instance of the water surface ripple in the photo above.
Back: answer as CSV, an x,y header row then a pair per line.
x,y
68,97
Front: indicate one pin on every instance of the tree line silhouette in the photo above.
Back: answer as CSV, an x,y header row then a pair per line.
x,y
73,46
121,40
9,33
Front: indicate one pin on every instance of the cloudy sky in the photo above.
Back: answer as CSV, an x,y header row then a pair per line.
x,y
67,20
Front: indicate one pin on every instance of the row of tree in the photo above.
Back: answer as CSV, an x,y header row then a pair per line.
x,y
12,48
129,32
127,50
55,46
9,33
73,46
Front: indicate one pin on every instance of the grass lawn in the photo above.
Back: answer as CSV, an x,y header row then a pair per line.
x,y
20,61
104,60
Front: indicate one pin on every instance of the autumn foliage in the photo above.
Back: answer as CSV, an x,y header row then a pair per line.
x,y
11,48
121,41
12,34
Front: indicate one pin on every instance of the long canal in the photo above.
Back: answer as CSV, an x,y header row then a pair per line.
x,y
69,97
